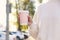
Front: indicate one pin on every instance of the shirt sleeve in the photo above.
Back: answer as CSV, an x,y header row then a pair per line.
x,y
34,28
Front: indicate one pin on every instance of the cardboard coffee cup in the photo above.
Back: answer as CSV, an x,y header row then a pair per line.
x,y
23,18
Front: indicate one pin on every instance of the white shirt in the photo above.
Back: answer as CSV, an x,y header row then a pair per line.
x,y
46,22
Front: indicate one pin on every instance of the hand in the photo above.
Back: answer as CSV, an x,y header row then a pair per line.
x,y
29,20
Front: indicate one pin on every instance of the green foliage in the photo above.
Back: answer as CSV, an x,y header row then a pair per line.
x,y
31,8
25,3
40,1
28,5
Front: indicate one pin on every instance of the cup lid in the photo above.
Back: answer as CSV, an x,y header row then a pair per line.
x,y
23,11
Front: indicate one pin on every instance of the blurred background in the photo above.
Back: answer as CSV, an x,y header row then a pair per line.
x,y
14,7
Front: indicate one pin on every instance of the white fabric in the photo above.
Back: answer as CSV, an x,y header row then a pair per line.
x,y
46,22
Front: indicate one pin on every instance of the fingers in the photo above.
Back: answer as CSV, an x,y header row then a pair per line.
x,y
29,20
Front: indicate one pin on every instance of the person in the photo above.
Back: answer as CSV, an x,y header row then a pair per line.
x,y
46,22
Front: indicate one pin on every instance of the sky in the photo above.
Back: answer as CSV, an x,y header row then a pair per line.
x,y
3,13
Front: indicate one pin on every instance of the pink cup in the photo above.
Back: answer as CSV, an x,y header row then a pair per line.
x,y
23,17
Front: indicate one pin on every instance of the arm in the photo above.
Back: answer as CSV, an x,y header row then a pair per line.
x,y
34,27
